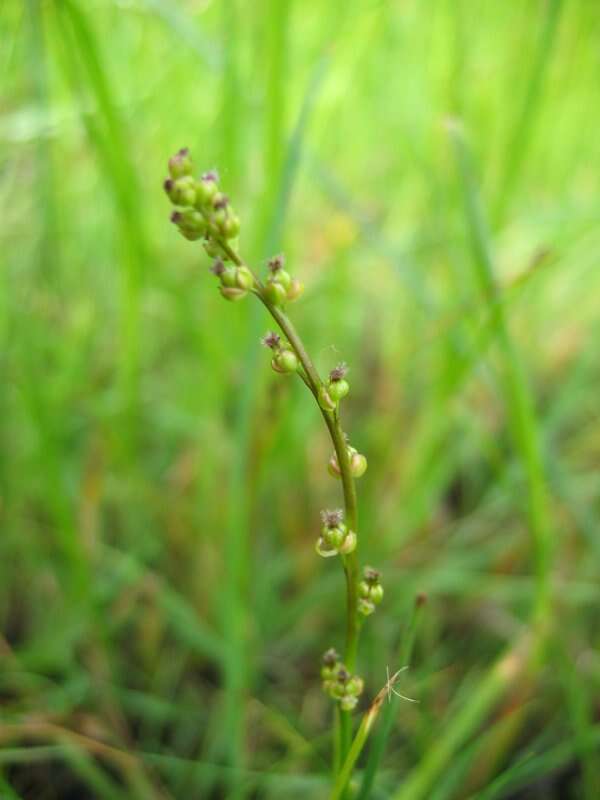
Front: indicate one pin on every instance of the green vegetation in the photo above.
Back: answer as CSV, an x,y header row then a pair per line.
x,y
430,171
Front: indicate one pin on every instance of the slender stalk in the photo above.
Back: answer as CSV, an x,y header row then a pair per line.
x,y
332,419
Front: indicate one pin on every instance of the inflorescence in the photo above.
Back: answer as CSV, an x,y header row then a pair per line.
x,y
204,213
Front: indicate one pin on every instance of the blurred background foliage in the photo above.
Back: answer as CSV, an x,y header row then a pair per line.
x,y
431,171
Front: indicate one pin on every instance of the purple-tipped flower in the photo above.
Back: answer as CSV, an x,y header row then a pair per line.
x,y
271,339
218,268
331,519
372,575
220,201
181,164
276,263
330,657
211,176
339,372
176,217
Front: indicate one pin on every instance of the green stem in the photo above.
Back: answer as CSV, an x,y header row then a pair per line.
x,y
350,562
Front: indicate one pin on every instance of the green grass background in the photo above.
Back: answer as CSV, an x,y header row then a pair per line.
x,y
431,171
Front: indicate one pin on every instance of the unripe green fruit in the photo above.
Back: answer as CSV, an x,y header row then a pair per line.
x,y
358,465
275,293
183,191
365,607
333,468
231,226
191,234
349,543
348,702
364,589
325,400
220,218
232,293
355,686
283,277
244,278
334,537
295,290
338,389
205,191
212,249
377,593
181,164
229,278
285,361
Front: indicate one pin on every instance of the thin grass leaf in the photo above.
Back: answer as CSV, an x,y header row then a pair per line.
x,y
380,738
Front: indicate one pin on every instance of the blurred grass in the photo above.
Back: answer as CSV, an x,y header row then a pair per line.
x,y
161,609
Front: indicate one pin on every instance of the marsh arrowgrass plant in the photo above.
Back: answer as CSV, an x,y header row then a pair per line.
x,y
205,214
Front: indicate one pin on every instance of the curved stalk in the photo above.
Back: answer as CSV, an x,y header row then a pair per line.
x,y
332,419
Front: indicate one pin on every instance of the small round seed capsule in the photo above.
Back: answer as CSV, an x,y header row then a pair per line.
x,y
181,163
338,389
364,589
231,226
377,593
275,293
325,400
333,468
349,543
206,189
212,249
348,702
285,361
244,278
365,607
232,293
334,537
295,290
358,465
229,278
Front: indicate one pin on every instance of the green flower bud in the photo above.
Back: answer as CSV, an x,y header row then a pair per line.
x,y
364,589
295,290
325,400
182,192
331,657
212,248
285,361
244,278
275,293
358,465
323,550
333,467
334,537
338,389
181,163
355,686
231,226
348,702
365,607
349,544
229,278
206,189
377,593
284,278
232,293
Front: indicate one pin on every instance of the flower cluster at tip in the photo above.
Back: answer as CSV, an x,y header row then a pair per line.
x,y
204,212
339,684
370,591
336,538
